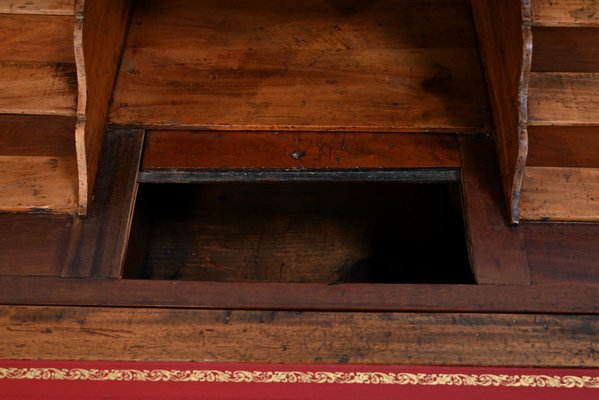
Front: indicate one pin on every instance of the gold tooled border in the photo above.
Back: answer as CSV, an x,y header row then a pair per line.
x,y
321,377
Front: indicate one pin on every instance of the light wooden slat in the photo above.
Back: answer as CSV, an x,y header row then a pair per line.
x,y
37,88
38,183
34,38
563,98
560,194
38,7
565,12
395,66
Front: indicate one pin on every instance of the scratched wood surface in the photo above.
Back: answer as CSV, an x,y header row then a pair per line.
x,y
561,194
37,88
307,337
39,7
37,183
304,65
37,38
563,98
565,12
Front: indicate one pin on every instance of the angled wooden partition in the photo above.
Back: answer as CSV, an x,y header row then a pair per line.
x,y
505,45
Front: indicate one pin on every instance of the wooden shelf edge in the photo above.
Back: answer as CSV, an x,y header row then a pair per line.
x,y
38,7
565,13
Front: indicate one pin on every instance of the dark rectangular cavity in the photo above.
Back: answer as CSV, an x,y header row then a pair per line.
x,y
335,232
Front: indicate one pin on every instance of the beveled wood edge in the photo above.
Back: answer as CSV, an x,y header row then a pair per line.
x,y
50,291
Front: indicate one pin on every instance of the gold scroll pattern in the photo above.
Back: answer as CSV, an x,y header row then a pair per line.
x,y
360,378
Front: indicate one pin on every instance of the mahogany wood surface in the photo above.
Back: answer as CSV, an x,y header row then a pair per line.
x,y
38,183
565,49
577,297
297,150
313,65
577,13
560,194
39,7
563,253
497,250
37,135
506,47
303,337
98,242
33,244
37,88
35,38
563,146
98,39
563,98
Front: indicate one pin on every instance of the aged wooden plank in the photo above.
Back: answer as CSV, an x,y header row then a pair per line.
x,y
563,146
98,243
37,88
563,98
34,38
37,135
37,183
38,7
306,337
497,250
560,194
99,37
565,49
506,47
551,297
297,150
33,244
565,13
562,253
316,65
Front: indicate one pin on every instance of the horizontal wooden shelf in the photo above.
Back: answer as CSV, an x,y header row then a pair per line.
x,y
562,98
316,65
38,88
565,13
560,194
565,49
563,146
40,7
38,183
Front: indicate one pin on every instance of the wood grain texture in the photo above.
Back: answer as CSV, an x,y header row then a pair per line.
x,y
37,183
550,297
563,146
565,13
497,250
297,150
560,194
506,47
565,49
562,253
303,65
37,88
34,38
303,337
37,135
563,98
33,244
99,37
98,243
38,7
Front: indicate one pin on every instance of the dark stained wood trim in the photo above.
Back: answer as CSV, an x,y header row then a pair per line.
x,y
98,242
497,250
90,333
402,175
574,298
565,49
297,150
